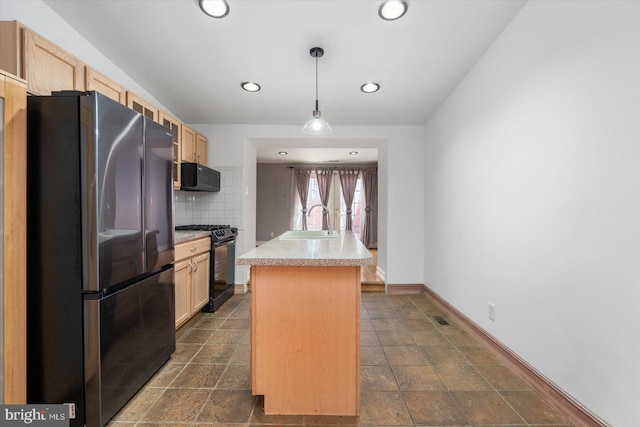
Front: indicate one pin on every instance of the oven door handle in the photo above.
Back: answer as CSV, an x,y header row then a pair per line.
x,y
224,243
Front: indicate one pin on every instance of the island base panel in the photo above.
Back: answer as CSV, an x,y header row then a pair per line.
x,y
305,339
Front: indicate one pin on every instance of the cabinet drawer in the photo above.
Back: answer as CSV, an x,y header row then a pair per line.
x,y
194,247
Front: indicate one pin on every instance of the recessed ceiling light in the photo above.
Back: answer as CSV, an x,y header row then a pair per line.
x,y
250,86
215,8
390,10
353,153
370,87
282,153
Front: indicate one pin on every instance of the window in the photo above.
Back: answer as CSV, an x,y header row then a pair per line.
x,y
314,221
336,205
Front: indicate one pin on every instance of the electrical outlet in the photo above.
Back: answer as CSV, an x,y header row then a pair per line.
x,y
492,311
273,234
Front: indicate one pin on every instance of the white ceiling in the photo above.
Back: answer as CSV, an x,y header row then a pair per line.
x,y
194,64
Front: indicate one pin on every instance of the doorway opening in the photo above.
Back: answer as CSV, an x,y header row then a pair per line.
x,y
275,194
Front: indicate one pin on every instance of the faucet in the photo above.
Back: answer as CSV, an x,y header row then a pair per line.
x,y
324,210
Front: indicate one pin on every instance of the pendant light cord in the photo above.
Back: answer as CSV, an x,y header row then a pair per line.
x,y
317,84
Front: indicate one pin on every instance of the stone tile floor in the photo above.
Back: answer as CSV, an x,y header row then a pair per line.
x,y
414,372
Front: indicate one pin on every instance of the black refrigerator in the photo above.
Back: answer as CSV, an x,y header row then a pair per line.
x,y
100,253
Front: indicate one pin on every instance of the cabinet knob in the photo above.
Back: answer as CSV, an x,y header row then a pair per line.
x,y
196,265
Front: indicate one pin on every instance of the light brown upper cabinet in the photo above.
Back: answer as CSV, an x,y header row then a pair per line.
x,y
194,146
103,84
11,47
45,66
176,130
188,144
49,68
141,106
201,149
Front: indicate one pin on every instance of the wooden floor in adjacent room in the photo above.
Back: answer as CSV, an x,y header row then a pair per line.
x,y
371,281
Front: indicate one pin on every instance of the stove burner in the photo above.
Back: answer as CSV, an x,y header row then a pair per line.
x,y
204,227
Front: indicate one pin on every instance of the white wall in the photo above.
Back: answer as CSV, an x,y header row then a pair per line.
x,y
400,168
532,199
223,207
42,19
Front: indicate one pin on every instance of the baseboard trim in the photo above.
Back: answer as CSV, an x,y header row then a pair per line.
x,y
408,288
560,400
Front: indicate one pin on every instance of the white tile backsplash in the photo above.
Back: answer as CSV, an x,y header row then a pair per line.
x,y
223,207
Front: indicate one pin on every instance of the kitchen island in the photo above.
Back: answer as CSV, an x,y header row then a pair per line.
x,y
305,324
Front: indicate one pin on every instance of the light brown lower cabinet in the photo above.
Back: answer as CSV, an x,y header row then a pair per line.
x,y
305,339
191,278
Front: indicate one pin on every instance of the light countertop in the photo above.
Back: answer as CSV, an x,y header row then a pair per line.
x,y
185,236
344,250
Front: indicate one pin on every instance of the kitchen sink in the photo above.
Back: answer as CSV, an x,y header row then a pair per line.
x,y
307,235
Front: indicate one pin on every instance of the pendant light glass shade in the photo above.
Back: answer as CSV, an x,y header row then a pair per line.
x,y
317,125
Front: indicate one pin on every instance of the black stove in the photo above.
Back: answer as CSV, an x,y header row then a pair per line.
x,y
219,233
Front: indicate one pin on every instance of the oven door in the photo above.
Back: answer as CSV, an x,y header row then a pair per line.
x,y
223,268
222,274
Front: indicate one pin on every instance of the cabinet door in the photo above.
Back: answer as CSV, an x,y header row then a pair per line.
x,y
101,83
188,144
141,106
49,68
183,294
10,48
13,240
176,130
201,149
200,282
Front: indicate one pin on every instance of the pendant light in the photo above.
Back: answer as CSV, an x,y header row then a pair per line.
x,y
317,125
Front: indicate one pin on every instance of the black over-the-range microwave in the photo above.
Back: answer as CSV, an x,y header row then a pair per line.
x,y
196,177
